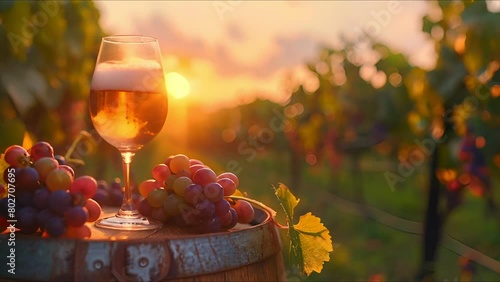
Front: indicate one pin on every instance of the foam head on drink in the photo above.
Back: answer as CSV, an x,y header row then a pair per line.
x,y
137,75
128,103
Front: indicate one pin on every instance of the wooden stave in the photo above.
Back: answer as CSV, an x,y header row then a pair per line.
x,y
67,255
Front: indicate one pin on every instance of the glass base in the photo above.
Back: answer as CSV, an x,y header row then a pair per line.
x,y
128,223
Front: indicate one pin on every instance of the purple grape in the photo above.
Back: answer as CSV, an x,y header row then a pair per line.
x,y
41,198
4,202
214,192
9,175
115,197
159,214
27,179
234,219
59,201
193,194
102,184
210,225
101,196
60,159
144,208
24,199
26,220
75,216
55,226
43,216
116,185
222,207
206,208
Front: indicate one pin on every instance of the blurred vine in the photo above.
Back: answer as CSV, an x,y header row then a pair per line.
x,y
47,56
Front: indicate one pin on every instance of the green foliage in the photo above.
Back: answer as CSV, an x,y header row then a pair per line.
x,y
48,51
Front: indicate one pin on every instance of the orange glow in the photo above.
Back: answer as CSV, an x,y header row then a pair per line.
x,y
311,159
446,175
480,142
495,91
228,135
459,44
464,179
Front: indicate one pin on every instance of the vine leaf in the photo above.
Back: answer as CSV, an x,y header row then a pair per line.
x,y
310,240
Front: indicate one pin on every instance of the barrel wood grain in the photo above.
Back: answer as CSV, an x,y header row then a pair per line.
x,y
246,253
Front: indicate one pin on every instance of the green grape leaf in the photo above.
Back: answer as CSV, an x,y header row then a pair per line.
x,y
310,240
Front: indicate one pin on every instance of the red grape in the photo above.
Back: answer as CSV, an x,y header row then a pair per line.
x,y
228,185
16,156
94,210
40,150
244,210
161,172
204,176
194,168
84,185
194,162
147,186
69,169
231,176
167,161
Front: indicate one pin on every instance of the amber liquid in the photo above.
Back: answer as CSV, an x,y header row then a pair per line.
x,y
128,119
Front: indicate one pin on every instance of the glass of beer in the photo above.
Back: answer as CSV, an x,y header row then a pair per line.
x,y
128,107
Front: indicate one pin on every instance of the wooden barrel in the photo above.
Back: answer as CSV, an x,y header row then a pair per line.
x,y
246,253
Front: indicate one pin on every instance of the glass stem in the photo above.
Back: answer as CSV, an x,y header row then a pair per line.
x,y
128,208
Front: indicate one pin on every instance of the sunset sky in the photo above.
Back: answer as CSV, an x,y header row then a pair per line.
x,y
233,51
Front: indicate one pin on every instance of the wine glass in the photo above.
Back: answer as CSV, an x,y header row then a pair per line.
x,y
128,106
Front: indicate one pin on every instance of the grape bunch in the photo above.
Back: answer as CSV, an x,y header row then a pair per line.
x,y
110,194
186,192
41,192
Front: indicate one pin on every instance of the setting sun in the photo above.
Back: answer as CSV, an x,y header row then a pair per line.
x,y
177,85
